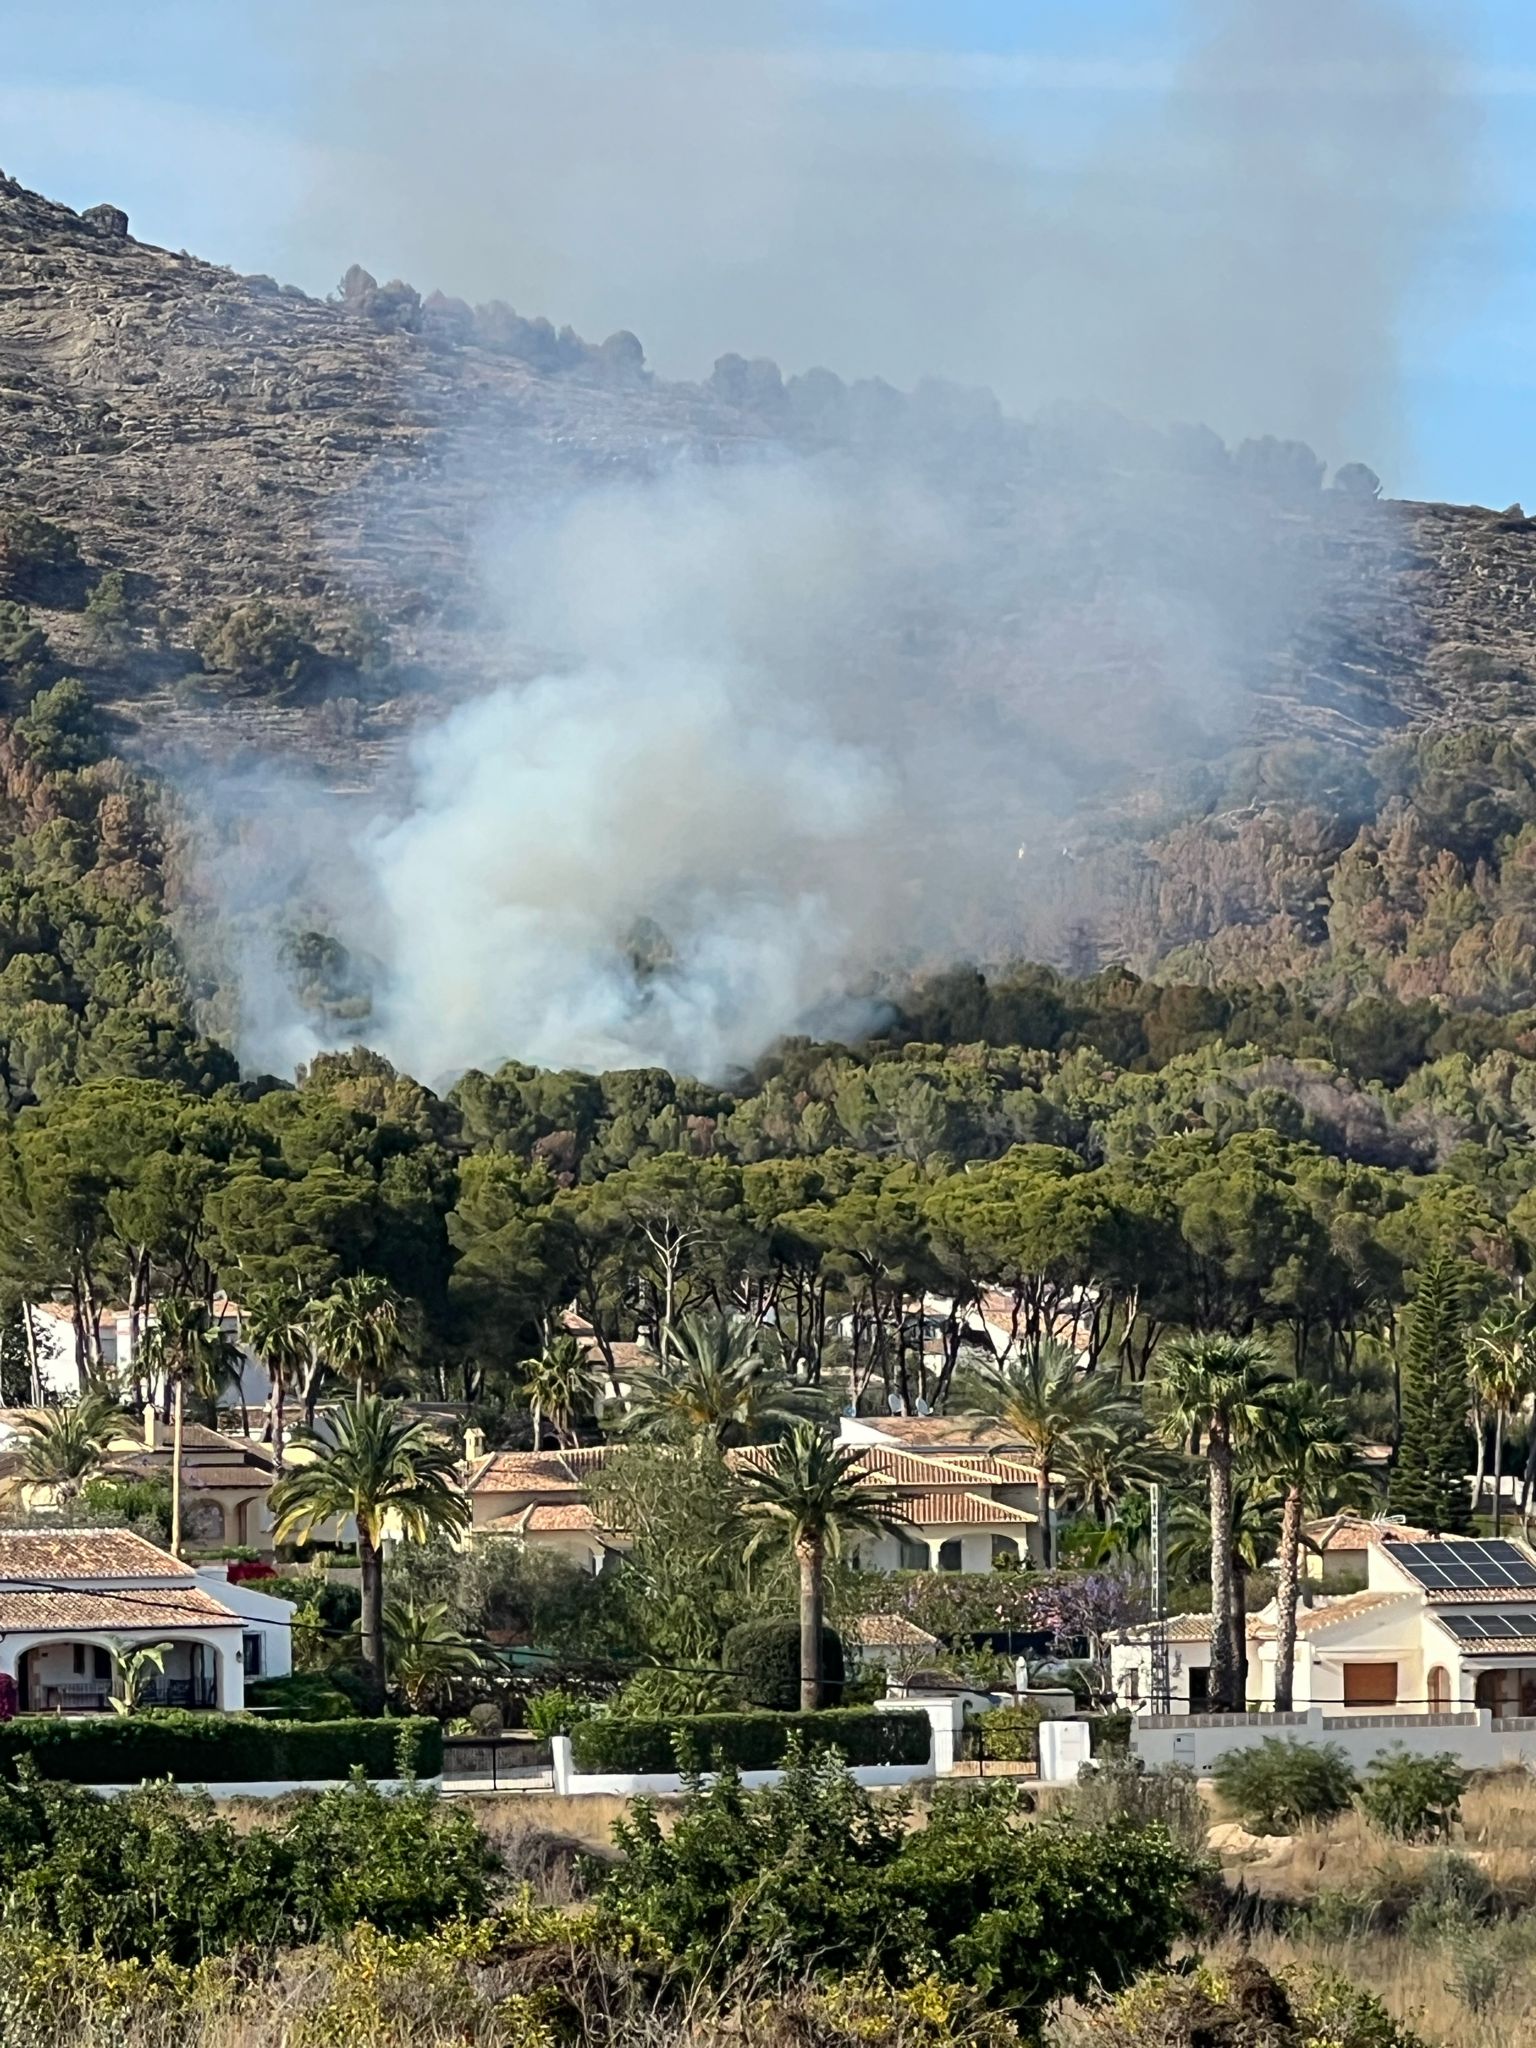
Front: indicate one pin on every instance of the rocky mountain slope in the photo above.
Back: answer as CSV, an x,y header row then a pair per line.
x,y
217,436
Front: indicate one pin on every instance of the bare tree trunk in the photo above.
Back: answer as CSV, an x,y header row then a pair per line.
x,y
178,1414
1047,1534
1480,1425
1498,1468
372,1572
809,1557
34,1370
1287,1596
1223,1675
276,1416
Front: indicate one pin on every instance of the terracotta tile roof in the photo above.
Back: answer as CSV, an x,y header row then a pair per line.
x,y
890,1631
83,1554
544,1518
1354,1532
1182,1628
1310,1619
177,1607
930,1470
956,1510
537,1471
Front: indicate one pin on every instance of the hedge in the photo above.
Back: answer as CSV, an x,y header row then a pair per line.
x,y
753,1742
99,1749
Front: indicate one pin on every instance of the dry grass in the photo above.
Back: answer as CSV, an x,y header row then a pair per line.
x,y
1477,1991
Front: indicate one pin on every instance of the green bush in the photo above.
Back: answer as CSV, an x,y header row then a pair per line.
x,y
557,1712
37,556
815,1873
1413,1797
255,645
96,1749
23,645
156,1874
300,1696
1120,1789
1276,1785
764,1659
1110,1734
657,1694
1008,1735
750,1742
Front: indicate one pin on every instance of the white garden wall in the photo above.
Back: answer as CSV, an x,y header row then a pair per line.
x,y
1476,1741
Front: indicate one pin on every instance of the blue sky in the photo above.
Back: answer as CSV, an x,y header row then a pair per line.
x,y
253,131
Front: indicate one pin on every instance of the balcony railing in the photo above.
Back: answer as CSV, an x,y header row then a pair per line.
x,y
178,1692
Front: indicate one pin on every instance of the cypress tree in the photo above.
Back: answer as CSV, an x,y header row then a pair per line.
x,y
1429,1476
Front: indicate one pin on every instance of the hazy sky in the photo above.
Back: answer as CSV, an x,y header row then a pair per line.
x,y
740,178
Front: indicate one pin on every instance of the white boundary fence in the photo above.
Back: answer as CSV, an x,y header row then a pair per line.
x,y
1475,1739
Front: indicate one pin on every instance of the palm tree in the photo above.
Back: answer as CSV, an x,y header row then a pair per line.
x,y
716,1380
1300,1443
357,1328
1218,1388
185,1344
64,1446
1048,1402
427,1651
1257,1512
1502,1359
810,1492
382,1469
277,1328
558,1383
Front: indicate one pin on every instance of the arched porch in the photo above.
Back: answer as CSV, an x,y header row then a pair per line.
x,y
80,1674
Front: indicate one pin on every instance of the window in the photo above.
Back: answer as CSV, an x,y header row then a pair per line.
x,y
949,1555
79,1660
1199,1688
1439,1690
1370,1685
914,1555
1130,1686
101,1666
253,1656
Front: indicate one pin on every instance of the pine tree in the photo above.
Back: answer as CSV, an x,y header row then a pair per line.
x,y
1429,1477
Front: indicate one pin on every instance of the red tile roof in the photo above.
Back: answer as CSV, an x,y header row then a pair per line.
x,y
955,1510
32,1554
176,1607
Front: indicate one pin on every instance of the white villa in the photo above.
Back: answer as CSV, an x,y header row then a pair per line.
x,y
64,1374
1442,1626
72,1601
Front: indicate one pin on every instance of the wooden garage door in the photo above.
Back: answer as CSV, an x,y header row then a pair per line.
x,y
1370,1685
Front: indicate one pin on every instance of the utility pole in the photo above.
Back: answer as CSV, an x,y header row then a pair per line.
x,y
1160,1695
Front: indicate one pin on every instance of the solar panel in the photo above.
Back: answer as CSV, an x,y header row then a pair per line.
x,y
1490,1628
1467,1566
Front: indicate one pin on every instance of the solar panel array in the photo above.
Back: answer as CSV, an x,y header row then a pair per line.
x,y
1466,1567
1491,1628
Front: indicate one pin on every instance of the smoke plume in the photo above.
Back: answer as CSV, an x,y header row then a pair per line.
x,y
773,725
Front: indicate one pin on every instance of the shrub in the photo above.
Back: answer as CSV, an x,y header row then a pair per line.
x,y
557,1712
61,727
750,1742
1276,1785
300,1696
1413,1797
764,1659
36,555
813,1872
1122,1790
91,1749
1110,1734
156,1874
1242,2004
256,645
1008,1734
23,646
656,1694
107,614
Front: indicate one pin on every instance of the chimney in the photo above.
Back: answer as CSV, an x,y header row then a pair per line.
x,y
151,1427
474,1445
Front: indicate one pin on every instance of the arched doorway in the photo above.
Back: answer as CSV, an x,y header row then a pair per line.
x,y
65,1678
1439,1689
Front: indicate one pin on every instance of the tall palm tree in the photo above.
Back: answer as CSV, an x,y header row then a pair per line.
x,y
1300,1443
1217,1389
559,1383
64,1446
810,1492
716,1380
1257,1512
1501,1354
382,1469
359,1330
278,1330
1048,1402
186,1345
